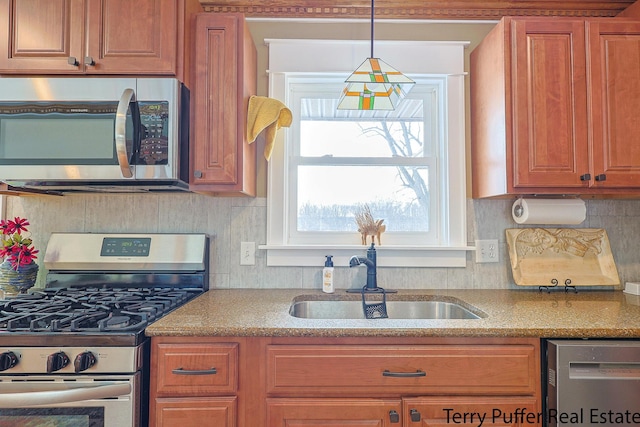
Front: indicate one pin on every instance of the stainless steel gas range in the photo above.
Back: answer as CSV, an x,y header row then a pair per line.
x,y
75,353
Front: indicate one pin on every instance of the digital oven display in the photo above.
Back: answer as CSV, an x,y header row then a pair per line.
x,y
125,246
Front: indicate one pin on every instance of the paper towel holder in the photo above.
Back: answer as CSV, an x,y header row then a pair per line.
x,y
518,210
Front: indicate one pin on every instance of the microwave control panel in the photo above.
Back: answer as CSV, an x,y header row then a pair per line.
x,y
154,138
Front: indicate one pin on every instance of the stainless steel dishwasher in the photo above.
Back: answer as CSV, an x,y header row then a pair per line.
x,y
593,383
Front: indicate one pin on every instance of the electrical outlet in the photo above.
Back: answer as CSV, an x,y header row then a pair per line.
x,y
487,251
247,253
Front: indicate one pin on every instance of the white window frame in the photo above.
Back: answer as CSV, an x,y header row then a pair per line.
x,y
290,59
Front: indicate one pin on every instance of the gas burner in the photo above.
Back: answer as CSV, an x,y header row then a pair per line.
x,y
90,310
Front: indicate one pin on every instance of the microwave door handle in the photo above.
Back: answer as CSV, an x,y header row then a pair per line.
x,y
35,398
121,132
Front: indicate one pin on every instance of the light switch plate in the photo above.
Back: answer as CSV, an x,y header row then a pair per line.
x,y
247,253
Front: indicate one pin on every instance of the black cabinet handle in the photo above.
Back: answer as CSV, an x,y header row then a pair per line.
x,y
601,177
417,373
414,415
585,177
181,371
394,417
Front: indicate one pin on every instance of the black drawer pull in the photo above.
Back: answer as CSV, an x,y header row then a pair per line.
x,y
417,373
180,371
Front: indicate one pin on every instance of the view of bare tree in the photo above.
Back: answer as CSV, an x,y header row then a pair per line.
x,y
404,140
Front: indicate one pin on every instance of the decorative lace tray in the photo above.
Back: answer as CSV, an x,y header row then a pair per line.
x,y
561,256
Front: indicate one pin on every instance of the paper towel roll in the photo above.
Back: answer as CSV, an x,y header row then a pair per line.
x,y
549,211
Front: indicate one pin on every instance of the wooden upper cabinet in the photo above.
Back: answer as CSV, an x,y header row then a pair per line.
x,y
553,105
225,74
549,104
529,108
148,37
615,102
39,35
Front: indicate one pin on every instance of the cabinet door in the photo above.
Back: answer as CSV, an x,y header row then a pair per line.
x,y
471,411
196,412
125,36
615,97
40,35
224,79
333,412
550,127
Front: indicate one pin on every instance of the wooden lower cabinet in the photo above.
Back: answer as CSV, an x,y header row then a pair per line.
x,y
471,411
333,412
196,412
407,412
345,382
194,383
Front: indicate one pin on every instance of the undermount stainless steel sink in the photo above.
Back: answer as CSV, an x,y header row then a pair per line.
x,y
396,309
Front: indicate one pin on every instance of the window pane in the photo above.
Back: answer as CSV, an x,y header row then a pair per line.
x,y
357,138
329,196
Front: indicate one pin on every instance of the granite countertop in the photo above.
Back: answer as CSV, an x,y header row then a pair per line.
x,y
513,313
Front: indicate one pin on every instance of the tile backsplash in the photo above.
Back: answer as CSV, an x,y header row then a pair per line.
x,y
231,220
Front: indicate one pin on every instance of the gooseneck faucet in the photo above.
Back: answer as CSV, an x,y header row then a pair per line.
x,y
370,262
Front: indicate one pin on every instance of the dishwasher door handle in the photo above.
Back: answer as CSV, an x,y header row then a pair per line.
x,y
604,371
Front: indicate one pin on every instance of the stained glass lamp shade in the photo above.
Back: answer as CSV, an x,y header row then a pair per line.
x,y
375,85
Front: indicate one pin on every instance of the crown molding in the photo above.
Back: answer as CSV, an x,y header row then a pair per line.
x,y
417,9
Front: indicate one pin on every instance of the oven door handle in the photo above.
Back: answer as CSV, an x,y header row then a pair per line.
x,y
40,398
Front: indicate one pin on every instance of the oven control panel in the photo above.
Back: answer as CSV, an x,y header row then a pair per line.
x,y
70,360
125,246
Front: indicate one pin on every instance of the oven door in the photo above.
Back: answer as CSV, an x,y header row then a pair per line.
x,y
70,401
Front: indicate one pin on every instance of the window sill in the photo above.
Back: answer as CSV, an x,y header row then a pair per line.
x,y
387,256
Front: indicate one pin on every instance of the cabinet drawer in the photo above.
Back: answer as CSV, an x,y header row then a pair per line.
x,y
196,369
310,370
196,412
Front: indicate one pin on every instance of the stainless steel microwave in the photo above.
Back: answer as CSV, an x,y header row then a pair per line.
x,y
94,134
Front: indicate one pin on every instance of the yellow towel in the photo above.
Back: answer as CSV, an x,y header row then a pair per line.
x,y
266,113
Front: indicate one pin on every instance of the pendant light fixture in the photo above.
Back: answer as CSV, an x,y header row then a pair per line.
x,y
374,85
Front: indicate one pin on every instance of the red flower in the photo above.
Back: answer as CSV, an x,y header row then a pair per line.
x,y
24,257
19,225
16,247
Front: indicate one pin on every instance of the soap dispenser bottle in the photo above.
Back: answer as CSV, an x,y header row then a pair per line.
x,y
327,275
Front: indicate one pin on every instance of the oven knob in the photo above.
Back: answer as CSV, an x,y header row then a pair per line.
x,y
57,361
84,361
8,360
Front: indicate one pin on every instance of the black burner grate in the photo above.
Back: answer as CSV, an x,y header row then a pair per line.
x,y
110,310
